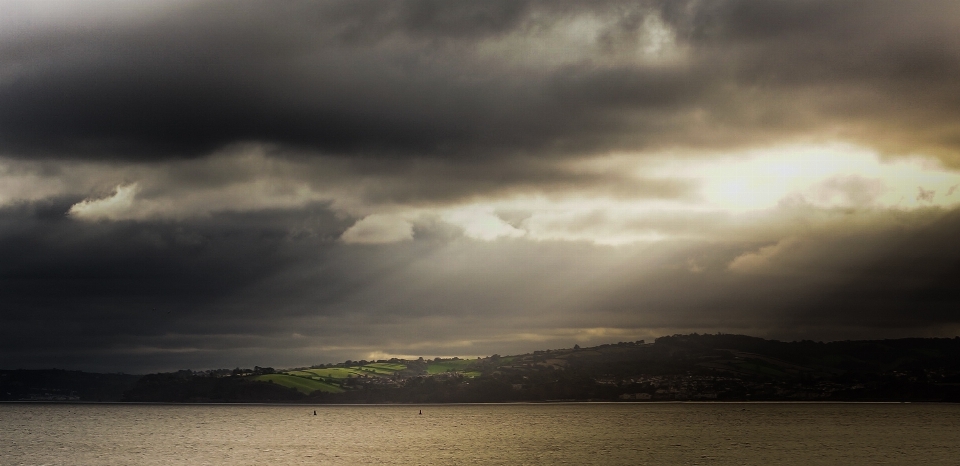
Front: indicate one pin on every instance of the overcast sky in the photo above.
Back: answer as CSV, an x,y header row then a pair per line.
x,y
203,184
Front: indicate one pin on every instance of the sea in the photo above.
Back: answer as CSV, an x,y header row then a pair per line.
x,y
483,434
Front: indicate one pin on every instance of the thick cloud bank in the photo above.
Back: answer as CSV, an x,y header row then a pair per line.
x,y
466,79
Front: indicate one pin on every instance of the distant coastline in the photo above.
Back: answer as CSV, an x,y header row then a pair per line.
x,y
679,368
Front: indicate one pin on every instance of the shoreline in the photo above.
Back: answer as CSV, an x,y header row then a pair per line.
x,y
519,403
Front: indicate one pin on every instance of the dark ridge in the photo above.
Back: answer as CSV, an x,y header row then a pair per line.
x,y
718,367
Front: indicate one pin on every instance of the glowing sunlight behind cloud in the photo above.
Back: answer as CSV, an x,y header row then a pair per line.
x,y
825,176
731,189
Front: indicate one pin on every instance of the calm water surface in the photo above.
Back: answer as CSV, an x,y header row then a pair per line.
x,y
601,434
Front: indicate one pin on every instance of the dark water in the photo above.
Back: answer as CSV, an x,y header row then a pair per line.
x,y
601,434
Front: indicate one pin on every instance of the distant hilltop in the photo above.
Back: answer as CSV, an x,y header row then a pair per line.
x,y
709,367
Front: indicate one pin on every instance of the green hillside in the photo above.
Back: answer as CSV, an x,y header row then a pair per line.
x,y
302,384
453,365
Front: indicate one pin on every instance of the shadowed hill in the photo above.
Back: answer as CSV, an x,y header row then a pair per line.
x,y
677,367
62,385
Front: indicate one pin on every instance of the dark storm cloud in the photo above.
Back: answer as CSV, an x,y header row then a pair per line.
x,y
232,288
70,287
889,274
412,78
425,182
219,73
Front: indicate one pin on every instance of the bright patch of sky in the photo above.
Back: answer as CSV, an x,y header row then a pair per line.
x,y
746,185
114,207
825,176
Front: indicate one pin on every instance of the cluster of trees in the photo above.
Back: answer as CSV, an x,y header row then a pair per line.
x,y
186,387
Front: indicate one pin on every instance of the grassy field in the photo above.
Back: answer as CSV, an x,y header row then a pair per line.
x,y
331,379
302,384
448,365
338,372
374,370
306,374
386,367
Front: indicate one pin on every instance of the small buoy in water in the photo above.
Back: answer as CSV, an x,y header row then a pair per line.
x,y
314,412
421,411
